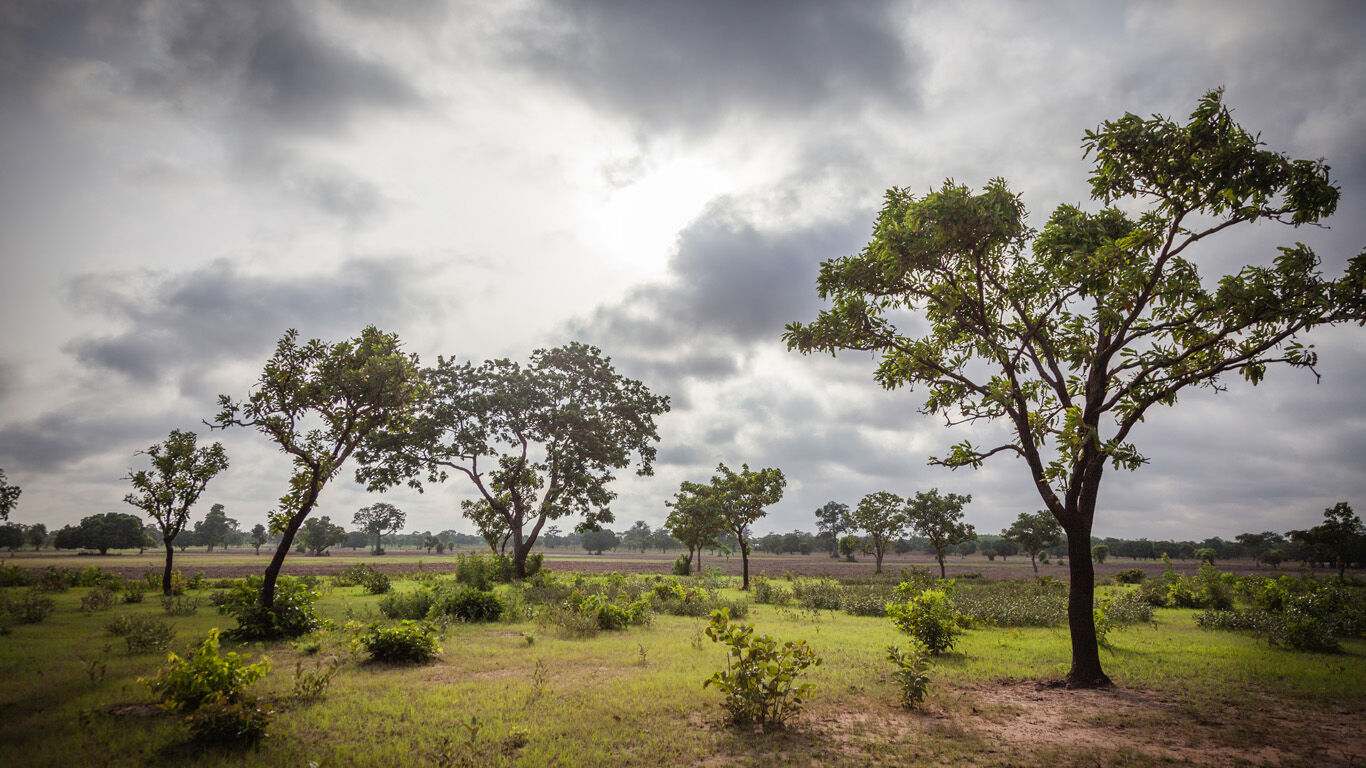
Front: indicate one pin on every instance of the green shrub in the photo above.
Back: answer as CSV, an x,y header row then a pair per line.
x,y
100,598
54,579
768,593
32,608
818,594
292,615
312,684
413,605
683,566
1130,576
410,642
367,576
483,572
468,604
760,679
866,600
911,673
134,591
179,605
572,623
611,615
143,634
220,723
14,576
184,684
1015,603
1129,607
928,617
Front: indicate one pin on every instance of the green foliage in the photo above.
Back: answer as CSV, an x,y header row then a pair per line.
x,y
291,615
31,608
768,593
409,642
239,723
1130,576
911,673
483,572
9,496
1014,603
467,604
928,617
883,516
142,634
940,519
1298,614
866,600
760,681
100,598
207,676
1034,533
818,594
367,576
14,575
682,565
413,604
378,519
134,591
312,684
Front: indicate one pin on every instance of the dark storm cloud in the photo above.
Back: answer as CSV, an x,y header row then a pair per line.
x,y
185,322
63,437
689,64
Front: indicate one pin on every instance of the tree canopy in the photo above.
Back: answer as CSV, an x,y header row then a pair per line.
x,y
940,519
694,520
832,519
738,499
9,496
1034,533
1340,539
884,517
1071,334
539,442
378,519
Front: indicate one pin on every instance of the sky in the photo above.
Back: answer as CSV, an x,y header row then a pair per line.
x,y
182,181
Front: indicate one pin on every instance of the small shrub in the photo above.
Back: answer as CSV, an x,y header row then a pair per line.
x,y
682,566
818,594
483,572
142,634
98,599
134,591
928,617
1130,576
911,673
184,684
239,723
468,604
56,580
179,605
760,679
33,607
413,605
14,576
312,684
1014,603
768,593
571,622
410,642
868,600
367,576
292,615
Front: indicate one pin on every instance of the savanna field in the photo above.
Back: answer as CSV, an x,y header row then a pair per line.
x,y
422,661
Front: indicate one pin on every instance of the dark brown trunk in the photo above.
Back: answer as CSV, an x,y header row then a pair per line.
x,y
1086,671
166,574
877,554
744,558
939,555
278,560
1033,562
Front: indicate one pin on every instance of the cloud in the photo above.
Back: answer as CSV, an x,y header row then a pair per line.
x,y
61,438
690,65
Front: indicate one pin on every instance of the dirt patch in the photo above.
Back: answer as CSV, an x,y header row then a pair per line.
x,y
135,710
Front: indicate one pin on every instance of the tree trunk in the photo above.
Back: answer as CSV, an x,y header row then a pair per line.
x,y
1033,562
744,558
1081,620
166,575
939,555
877,554
697,564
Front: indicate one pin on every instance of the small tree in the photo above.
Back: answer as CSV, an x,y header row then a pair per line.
x,y
36,535
883,516
215,528
11,536
833,520
319,533
9,497
599,541
638,536
850,546
966,548
694,520
1100,552
554,432
740,498
940,519
378,519
1034,533
1340,539
319,402
259,536
180,472
489,522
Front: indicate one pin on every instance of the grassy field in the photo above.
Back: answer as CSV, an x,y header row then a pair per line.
x,y
1184,695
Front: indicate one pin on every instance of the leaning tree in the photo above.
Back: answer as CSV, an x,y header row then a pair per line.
x,y
1070,335
539,442
180,472
320,402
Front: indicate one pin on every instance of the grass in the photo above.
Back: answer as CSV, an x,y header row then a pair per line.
x,y
593,702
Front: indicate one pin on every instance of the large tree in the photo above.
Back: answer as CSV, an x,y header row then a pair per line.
x,y
1340,539
180,472
832,519
319,402
940,520
378,519
1034,533
1070,335
693,520
215,529
883,516
318,534
111,530
9,497
740,499
539,442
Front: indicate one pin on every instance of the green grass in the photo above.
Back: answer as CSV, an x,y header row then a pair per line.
x,y
598,704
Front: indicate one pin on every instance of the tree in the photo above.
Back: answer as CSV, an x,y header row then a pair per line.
x,y
429,541
1070,335
694,520
1340,539
966,548
883,516
940,519
739,499
638,536
259,536
11,536
9,497
599,541
554,432
180,472
832,519
1034,533
1273,558
320,402
378,519
36,535
316,535
1100,552
111,530
215,528
490,523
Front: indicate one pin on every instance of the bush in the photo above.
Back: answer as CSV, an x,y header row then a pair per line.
x,y
683,566
410,642
207,676
32,608
179,605
911,673
1130,576
468,604
483,572
229,723
928,617
98,599
367,576
1016,603
134,591
768,593
818,594
292,615
408,605
14,576
760,678
142,633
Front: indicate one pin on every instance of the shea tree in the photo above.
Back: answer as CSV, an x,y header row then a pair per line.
x,y
883,516
539,442
319,403
180,472
694,521
1068,336
739,499
1034,533
940,519
378,519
